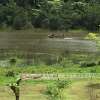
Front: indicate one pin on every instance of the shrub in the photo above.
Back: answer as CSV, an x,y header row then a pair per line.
x,y
88,64
55,23
12,61
93,70
55,92
66,62
4,2
10,74
50,61
20,21
52,93
98,62
91,36
39,19
61,84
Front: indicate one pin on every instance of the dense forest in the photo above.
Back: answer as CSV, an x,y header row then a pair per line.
x,y
50,14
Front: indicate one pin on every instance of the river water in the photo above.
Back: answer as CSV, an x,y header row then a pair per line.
x,y
28,45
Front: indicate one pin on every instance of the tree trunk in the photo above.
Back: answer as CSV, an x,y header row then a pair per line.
x,y
17,97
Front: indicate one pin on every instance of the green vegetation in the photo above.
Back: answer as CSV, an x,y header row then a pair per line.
x,y
15,87
56,92
51,14
8,75
76,91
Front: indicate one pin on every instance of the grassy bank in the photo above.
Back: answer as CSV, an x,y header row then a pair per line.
x,y
8,74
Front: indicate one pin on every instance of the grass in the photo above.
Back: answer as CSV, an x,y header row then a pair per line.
x,y
77,91
26,92
4,79
50,69
33,89
65,66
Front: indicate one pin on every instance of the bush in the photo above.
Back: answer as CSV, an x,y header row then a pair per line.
x,y
55,23
93,70
50,61
91,36
4,2
12,61
88,64
61,84
98,62
52,93
20,21
91,18
55,92
39,19
10,74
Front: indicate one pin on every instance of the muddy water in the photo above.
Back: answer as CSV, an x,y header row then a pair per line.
x,y
11,43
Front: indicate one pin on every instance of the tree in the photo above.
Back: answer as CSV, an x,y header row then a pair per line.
x,y
38,18
4,2
91,19
29,3
52,14
15,88
20,21
2,14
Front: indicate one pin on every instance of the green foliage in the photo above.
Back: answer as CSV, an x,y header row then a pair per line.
x,y
91,18
38,19
98,62
15,88
88,64
12,61
3,2
55,92
61,84
20,21
10,74
55,23
91,36
52,14
52,93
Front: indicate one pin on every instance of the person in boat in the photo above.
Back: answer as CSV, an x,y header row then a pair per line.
x,y
51,35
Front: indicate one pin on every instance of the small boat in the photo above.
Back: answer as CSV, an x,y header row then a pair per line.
x,y
56,35
51,36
